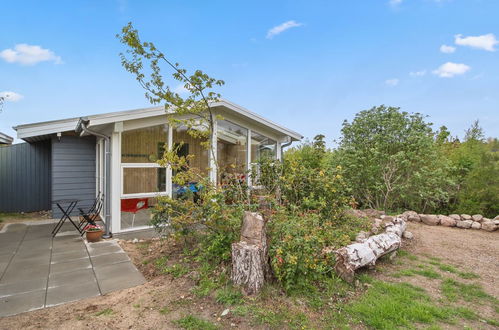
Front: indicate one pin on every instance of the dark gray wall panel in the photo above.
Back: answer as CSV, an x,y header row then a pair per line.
x,y
73,171
25,177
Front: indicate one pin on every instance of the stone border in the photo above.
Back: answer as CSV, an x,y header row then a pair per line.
x,y
463,221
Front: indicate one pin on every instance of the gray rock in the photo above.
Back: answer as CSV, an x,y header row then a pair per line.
x,y
430,219
497,217
408,235
476,225
447,221
465,216
387,218
477,217
414,217
489,226
464,224
456,217
496,222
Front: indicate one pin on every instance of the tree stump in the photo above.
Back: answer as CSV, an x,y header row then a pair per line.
x,y
354,256
250,266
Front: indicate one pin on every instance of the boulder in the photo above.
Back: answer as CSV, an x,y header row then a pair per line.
x,y
447,221
476,225
377,222
477,217
415,218
465,216
489,226
497,217
408,235
464,224
456,217
430,219
496,222
387,218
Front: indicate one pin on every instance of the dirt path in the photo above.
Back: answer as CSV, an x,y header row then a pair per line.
x,y
471,250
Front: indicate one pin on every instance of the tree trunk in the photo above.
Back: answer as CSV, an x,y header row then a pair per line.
x,y
250,266
354,256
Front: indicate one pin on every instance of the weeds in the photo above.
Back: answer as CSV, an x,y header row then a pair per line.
x,y
105,312
191,322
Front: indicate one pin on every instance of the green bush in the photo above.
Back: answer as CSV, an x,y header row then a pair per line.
x,y
301,245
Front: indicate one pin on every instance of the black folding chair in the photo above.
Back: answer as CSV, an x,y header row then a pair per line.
x,y
89,217
66,214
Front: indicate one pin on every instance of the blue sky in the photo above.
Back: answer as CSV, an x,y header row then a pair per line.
x,y
323,62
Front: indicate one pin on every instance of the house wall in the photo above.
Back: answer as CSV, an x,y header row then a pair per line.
x,y
73,171
25,177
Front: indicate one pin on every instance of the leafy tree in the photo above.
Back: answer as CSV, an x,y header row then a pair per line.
x,y
195,107
391,160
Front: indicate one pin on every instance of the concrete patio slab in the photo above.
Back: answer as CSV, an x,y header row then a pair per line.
x,y
64,267
38,271
67,293
22,302
109,259
80,276
19,287
68,256
118,276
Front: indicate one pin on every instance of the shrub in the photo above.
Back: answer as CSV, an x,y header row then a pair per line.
x,y
301,245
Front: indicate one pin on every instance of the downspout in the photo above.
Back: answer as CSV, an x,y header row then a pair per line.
x,y
285,145
82,127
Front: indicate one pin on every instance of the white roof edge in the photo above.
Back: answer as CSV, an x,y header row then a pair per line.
x,y
61,125
252,115
4,138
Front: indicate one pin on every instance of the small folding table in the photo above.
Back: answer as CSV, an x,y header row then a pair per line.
x,y
69,204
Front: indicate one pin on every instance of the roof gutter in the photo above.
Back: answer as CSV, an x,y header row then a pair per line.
x,y
82,127
285,145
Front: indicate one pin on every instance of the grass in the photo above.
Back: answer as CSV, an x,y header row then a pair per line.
x,y
452,290
105,312
394,305
452,269
191,322
425,271
280,317
229,296
176,270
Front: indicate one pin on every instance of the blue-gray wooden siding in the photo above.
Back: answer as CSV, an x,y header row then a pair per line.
x,y
73,171
25,177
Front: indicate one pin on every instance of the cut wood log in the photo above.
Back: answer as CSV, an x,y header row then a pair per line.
x,y
357,255
250,266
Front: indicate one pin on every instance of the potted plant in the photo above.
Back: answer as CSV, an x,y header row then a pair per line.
x,y
93,232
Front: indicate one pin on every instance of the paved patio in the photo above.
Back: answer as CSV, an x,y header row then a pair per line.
x,y
37,271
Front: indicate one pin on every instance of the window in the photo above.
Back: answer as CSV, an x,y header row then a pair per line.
x,y
262,146
142,177
232,150
143,145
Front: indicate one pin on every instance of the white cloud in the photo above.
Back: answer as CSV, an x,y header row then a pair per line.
x,y
485,42
447,49
281,28
29,55
418,73
395,2
11,96
450,69
392,82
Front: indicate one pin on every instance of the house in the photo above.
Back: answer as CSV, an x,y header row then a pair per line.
x,y
116,153
5,139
